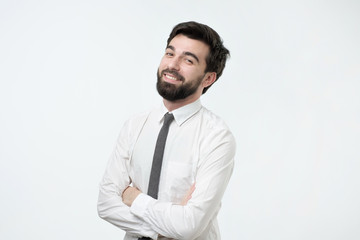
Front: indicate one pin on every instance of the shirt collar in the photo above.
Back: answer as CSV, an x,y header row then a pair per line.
x,y
184,113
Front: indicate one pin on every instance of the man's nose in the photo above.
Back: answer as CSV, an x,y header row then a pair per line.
x,y
174,63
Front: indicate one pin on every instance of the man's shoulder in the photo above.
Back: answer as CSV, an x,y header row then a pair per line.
x,y
216,132
138,118
133,125
213,121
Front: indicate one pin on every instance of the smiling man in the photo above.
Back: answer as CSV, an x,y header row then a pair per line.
x,y
171,165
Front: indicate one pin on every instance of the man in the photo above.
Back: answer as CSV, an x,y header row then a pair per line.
x,y
198,157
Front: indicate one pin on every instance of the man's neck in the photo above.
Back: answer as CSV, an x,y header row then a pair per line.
x,y
172,105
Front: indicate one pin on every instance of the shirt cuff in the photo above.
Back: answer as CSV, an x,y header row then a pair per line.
x,y
140,205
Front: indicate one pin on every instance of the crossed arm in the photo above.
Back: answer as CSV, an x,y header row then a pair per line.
x,y
140,215
130,194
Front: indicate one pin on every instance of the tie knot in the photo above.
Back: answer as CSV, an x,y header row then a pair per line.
x,y
168,118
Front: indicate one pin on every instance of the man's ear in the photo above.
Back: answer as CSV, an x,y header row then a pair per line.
x,y
209,79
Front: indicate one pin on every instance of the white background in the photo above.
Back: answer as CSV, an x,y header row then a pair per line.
x,y
71,73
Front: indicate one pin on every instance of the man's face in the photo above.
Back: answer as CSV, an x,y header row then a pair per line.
x,y
182,69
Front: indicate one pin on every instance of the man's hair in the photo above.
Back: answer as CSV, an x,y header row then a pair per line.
x,y
218,54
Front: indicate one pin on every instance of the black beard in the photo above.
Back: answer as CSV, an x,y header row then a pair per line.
x,y
171,92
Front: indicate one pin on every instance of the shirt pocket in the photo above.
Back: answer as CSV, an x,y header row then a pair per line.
x,y
178,180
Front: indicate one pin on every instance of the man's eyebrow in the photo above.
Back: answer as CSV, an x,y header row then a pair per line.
x,y
185,53
171,47
192,55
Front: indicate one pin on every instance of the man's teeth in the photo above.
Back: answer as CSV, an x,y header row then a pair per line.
x,y
171,77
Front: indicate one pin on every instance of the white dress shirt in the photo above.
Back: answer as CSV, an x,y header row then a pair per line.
x,y
200,149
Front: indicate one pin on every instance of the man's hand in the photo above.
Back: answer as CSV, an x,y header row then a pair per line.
x,y
129,195
188,195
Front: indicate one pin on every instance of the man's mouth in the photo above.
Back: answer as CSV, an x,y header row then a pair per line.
x,y
172,77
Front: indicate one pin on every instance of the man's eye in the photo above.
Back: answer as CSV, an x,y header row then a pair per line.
x,y
169,54
189,61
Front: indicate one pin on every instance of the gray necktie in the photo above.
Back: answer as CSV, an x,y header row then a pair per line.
x,y
157,159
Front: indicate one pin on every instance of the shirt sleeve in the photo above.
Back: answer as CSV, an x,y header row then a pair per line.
x,y
188,222
116,178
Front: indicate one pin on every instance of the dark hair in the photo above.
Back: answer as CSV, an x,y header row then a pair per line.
x,y
218,54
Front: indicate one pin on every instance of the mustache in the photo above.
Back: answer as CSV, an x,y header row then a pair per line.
x,y
174,73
